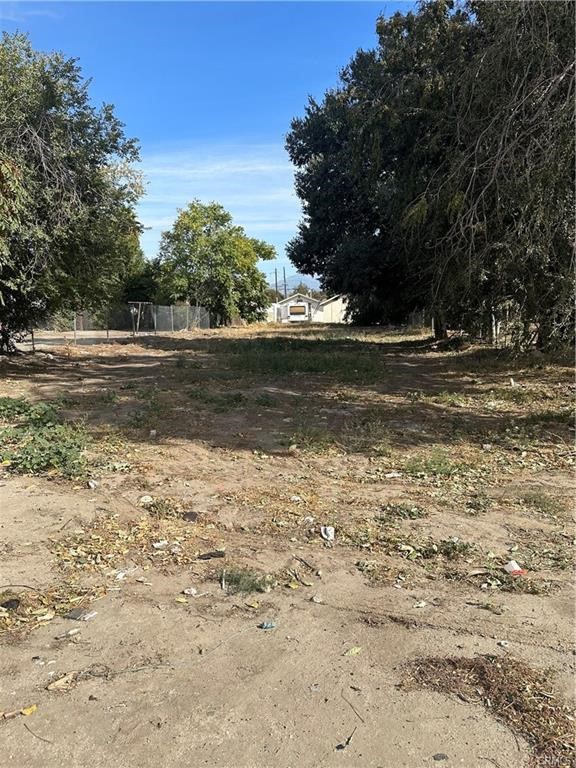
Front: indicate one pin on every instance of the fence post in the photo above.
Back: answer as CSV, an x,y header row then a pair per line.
x,y
75,321
187,317
33,345
172,317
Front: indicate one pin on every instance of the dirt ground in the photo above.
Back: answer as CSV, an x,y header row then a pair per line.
x,y
435,467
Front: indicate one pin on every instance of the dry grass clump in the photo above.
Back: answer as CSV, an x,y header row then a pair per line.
x,y
24,609
513,692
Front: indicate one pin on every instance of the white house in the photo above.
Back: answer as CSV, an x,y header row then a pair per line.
x,y
305,309
294,309
332,310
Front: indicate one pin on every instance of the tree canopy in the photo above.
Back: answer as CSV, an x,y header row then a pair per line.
x,y
207,260
439,173
68,232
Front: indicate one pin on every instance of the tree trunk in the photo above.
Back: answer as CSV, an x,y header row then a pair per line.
x,y
440,327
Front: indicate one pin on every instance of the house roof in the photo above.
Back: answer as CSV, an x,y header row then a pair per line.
x,y
297,296
332,298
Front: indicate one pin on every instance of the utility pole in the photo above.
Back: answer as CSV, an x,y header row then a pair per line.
x,y
276,283
285,291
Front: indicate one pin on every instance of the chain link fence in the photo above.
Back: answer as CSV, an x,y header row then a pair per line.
x,y
134,318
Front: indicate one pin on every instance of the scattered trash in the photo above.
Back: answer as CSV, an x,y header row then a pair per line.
x,y
347,742
486,446
153,433
316,599
512,383
64,683
80,614
296,499
92,484
327,532
160,544
192,591
503,643
479,572
211,555
70,633
308,520
439,756
145,500
390,475
420,604
354,651
181,600
267,625
25,711
11,605
514,569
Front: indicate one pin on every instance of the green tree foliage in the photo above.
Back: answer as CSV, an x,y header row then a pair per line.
x,y
207,260
439,174
306,290
68,232
273,295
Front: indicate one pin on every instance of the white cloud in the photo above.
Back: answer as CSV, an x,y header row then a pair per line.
x,y
254,182
15,13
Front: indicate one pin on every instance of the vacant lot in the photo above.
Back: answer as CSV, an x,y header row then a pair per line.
x,y
294,544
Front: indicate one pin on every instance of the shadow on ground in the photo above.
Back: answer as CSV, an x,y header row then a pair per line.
x,y
360,392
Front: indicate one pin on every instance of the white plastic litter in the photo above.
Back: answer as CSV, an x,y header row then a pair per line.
x,y
327,532
514,569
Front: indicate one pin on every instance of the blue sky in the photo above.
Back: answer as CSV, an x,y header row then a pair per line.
x,y
209,89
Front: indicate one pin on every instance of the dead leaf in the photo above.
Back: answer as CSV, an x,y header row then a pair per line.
x,y
64,683
46,616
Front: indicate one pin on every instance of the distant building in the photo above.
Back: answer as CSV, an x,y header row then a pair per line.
x,y
332,310
305,309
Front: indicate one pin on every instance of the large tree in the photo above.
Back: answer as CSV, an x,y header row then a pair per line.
x,y
439,174
207,260
67,189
